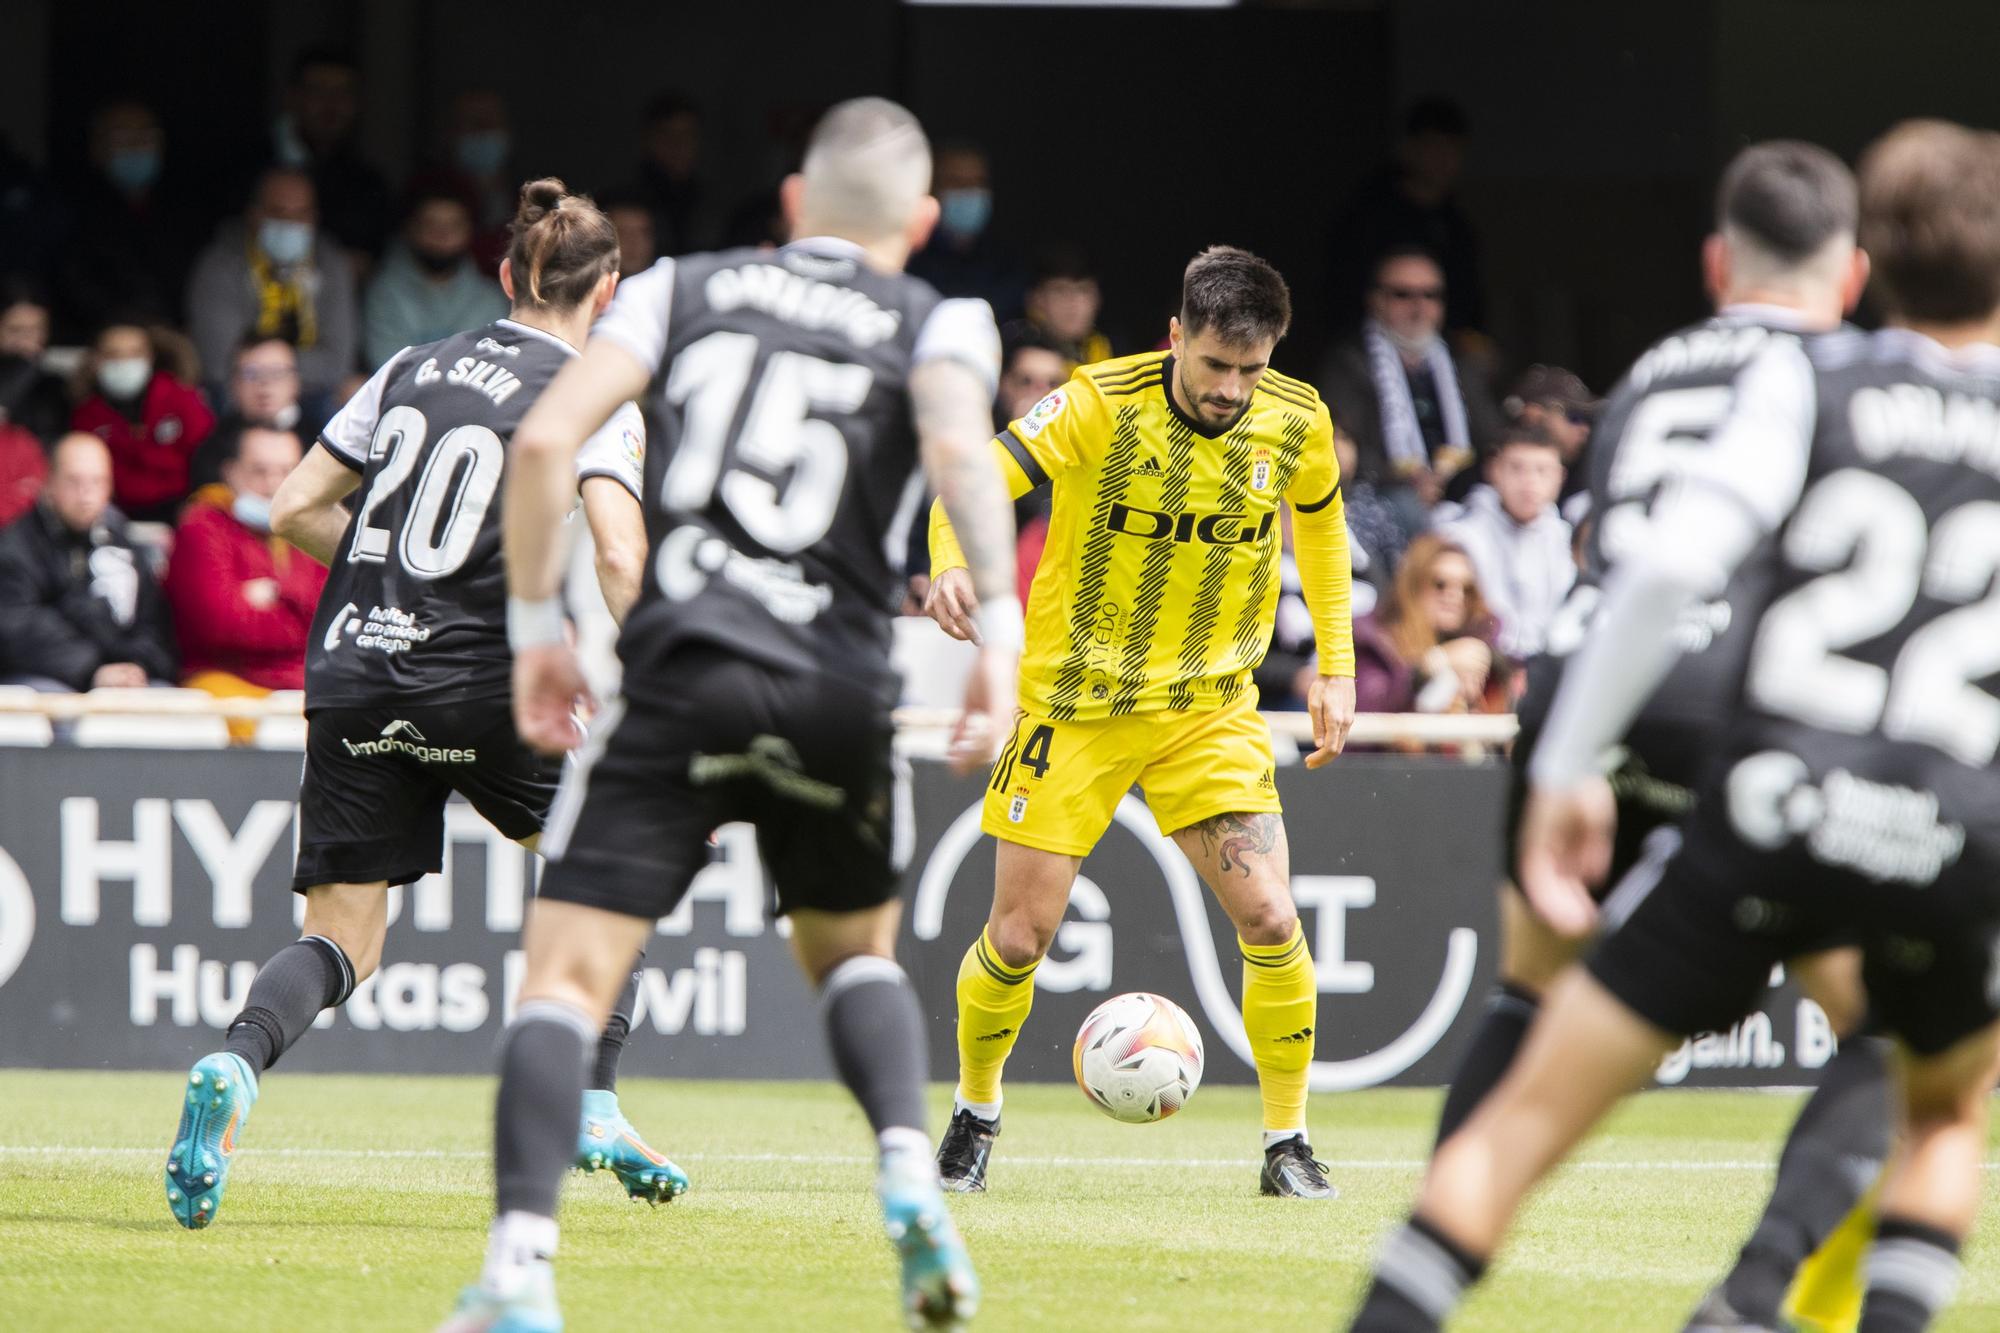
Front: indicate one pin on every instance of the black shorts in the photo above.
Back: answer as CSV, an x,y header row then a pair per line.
x,y
1647,802
1695,929
806,756
371,806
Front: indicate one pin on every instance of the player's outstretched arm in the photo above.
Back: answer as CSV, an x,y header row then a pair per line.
x,y
949,404
541,464
307,510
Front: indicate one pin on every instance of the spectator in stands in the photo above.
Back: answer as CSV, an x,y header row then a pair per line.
x,y
1561,406
1375,534
634,224
477,168
1429,647
79,607
30,397
1063,303
670,184
242,599
963,258
428,286
1411,201
274,273
1291,663
1416,413
263,391
151,422
23,468
1519,545
316,135
135,229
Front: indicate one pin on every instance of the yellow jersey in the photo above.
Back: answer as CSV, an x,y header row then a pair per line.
x,y
1158,585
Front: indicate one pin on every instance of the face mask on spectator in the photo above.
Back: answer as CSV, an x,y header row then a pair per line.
x,y
252,511
435,264
482,152
133,169
965,212
284,242
124,378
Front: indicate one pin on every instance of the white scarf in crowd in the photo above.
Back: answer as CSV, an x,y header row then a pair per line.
x,y
1402,436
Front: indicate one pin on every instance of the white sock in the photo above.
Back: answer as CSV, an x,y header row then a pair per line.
x,y
515,1245
1273,1137
987,1111
903,1144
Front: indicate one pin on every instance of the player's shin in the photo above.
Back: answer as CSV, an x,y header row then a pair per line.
x,y
993,1004
611,1042
1280,1005
875,1030
1836,1149
298,981
542,1066
1495,1042
1420,1277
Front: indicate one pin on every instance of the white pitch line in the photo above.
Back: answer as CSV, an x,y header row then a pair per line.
x,y
841,1159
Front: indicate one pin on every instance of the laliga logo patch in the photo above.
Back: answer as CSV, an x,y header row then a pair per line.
x,y
635,447
1260,470
1042,413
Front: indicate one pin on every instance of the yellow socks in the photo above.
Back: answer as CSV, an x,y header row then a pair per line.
x,y
993,1002
1280,1004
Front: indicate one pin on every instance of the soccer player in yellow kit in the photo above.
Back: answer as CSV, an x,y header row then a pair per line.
x,y
1154,599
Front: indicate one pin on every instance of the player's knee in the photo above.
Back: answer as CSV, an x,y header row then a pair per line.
x,y
1020,939
1274,921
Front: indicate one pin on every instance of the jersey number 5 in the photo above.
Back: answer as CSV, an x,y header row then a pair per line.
x,y
779,434
462,472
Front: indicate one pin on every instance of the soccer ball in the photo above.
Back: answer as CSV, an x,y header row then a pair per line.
x,y
1138,1058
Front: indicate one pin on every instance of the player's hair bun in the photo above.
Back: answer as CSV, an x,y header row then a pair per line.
x,y
539,198
561,245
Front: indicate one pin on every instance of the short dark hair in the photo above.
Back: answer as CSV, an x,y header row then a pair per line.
x,y
1437,115
666,105
22,289
1020,336
323,54
1790,197
253,339
1930,220
1060,259
1404,250
1235,295
1521,432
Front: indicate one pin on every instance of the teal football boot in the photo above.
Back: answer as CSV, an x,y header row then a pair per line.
x,y
220,1092
606,1141
940,1290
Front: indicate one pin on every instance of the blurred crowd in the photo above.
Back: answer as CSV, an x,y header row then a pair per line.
x,y
163,367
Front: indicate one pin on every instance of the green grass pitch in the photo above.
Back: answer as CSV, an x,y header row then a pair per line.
x,y
362,1203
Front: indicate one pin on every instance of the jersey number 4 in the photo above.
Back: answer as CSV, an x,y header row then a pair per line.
x,y
462,472
779,434
1879,554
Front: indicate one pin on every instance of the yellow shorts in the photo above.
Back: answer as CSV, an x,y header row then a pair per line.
x,y
1057,784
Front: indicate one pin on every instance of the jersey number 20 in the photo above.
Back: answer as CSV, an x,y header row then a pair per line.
x,y
463,472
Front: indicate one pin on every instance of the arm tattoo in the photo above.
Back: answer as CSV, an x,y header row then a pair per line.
x,y
1233,839
954,428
